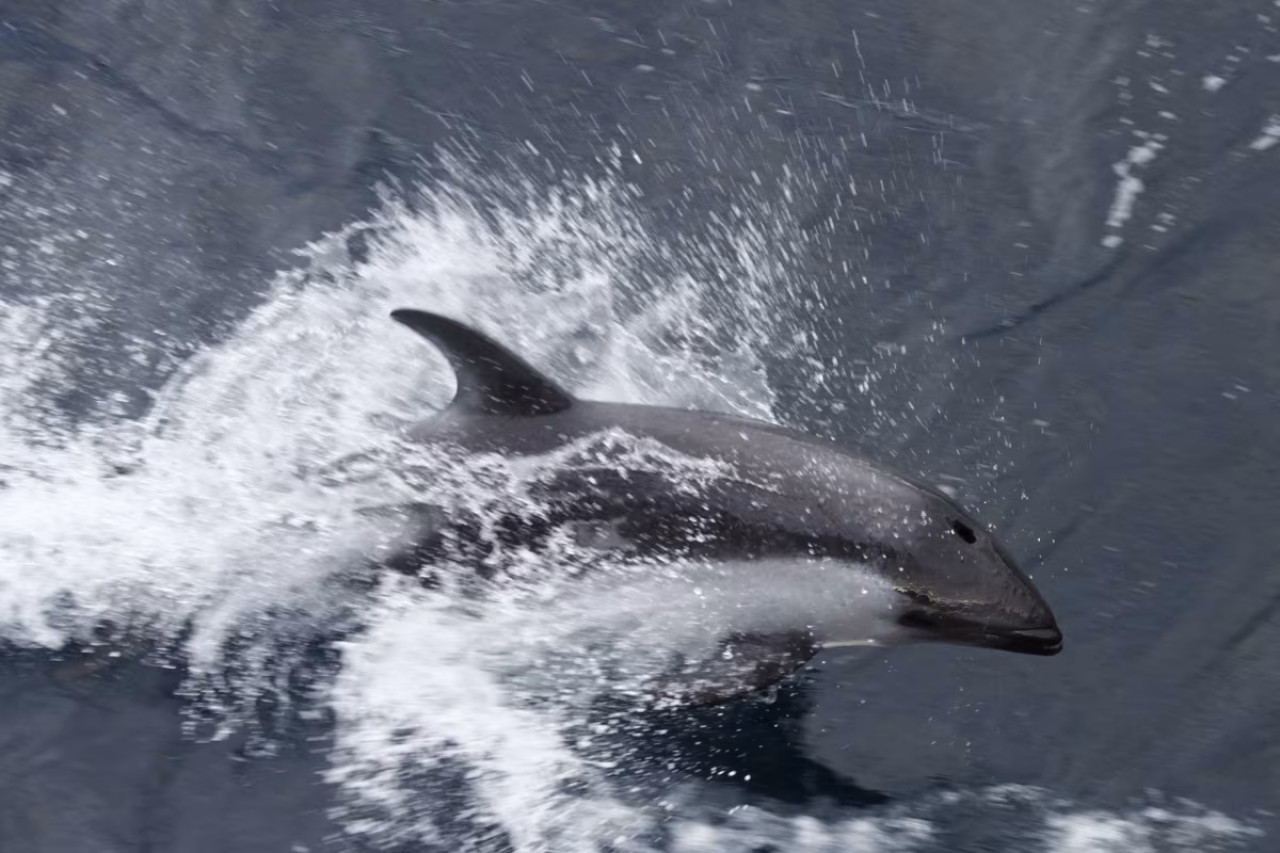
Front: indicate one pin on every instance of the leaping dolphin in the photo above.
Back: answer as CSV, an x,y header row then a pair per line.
x,y
798,514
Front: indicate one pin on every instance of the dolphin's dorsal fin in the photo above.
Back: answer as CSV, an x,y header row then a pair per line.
x,y
491,379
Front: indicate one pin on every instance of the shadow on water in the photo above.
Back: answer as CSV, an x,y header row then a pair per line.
x,y
754,745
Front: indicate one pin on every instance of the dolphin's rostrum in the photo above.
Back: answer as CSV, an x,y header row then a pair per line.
x,y
797,512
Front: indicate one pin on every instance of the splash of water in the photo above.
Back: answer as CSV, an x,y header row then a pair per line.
x,y
221,525
216,526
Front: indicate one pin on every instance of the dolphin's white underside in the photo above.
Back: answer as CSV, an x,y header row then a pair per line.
x,y
626,624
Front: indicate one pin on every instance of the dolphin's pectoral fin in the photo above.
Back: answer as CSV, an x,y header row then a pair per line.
x,y
491,379
743,664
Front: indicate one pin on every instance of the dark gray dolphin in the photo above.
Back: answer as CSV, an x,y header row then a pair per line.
x,y
791,500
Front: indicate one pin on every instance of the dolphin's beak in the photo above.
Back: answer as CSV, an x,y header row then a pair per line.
x,y
1034,636
1029,641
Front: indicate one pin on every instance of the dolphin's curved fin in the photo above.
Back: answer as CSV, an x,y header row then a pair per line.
x,y
491,379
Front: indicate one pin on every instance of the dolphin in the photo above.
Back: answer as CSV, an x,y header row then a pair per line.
x,y
794,526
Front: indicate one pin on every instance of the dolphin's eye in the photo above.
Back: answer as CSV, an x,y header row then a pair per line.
x,y
964,531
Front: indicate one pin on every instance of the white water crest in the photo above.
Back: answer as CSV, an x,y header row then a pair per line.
x,y
224,528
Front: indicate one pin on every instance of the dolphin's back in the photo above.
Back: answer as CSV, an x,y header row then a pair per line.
x,y
782,478
778,479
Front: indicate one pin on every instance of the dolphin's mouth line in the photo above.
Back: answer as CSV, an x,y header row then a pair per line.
x,y
1035,641
951,627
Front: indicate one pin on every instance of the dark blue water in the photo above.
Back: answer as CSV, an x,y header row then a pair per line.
x,y
1028,250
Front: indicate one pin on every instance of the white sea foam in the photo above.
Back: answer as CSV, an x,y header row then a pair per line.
x,y
1130,186
1269,137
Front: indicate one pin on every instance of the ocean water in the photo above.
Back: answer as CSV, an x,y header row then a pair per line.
x,y
218,531
1022,250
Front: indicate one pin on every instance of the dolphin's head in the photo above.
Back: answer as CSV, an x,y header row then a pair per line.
x,y
961,585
